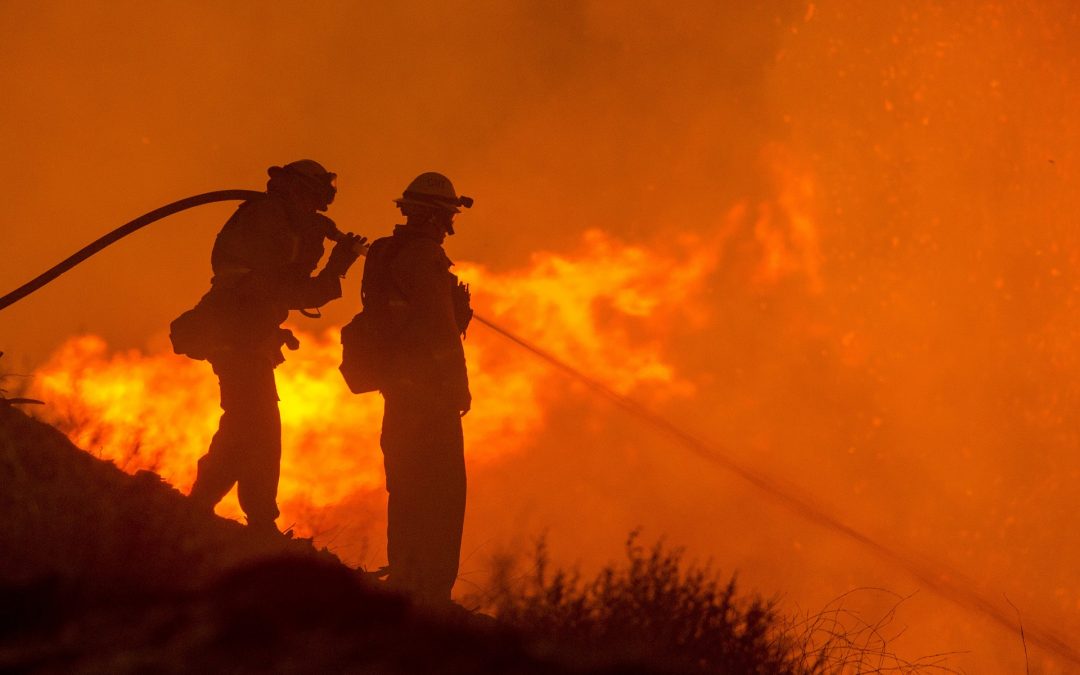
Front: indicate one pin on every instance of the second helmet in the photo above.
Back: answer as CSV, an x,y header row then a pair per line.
x,y
432,189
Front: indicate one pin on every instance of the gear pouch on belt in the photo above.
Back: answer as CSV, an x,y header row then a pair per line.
x,y
361,356
202,330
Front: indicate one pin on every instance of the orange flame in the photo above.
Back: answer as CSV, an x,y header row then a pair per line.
x,y
896,331
606,309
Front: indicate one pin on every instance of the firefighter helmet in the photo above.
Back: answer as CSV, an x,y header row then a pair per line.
x,y
433,190
311,175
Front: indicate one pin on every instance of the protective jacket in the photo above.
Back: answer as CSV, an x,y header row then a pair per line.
x,y
421,311
262,261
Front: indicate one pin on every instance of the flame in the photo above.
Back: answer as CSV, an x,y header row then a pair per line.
x,y
608,308
787,233
872,213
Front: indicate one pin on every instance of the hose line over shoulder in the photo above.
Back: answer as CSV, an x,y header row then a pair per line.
x,y
121,232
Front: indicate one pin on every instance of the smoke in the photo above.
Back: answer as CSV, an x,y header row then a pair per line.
x,y
876,206
563,118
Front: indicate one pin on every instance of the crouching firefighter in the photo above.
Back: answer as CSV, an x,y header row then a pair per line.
x,y
407,343
262,261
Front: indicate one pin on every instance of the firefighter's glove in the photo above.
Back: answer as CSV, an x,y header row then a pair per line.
x,y
462,310
288,339
345,253
465,406
461,398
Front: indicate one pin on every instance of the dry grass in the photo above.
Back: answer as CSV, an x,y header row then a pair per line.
x,y
81,535
658,611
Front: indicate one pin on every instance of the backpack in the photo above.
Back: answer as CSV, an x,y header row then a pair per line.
x,y
366,341
360,355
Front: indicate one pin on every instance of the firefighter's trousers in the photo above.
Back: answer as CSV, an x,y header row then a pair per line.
x,y
246,450
424,455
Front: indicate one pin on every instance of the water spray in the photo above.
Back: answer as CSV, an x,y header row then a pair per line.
x,y
946,582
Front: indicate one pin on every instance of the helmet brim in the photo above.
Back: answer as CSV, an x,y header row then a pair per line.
x,y
449,208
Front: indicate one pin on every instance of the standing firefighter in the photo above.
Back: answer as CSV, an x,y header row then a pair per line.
x,y
262,261
407,344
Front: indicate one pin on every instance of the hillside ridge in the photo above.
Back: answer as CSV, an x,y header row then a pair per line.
x,y
107,572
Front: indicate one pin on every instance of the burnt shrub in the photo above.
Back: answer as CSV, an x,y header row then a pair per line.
x,y
655,612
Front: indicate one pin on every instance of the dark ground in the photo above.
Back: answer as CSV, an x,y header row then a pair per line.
x,y
103,572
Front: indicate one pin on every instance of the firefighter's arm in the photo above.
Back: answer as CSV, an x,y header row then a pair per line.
x,y
348,248
316,291
307,292
258,241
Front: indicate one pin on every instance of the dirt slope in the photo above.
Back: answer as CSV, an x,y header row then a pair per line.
x,y
105,572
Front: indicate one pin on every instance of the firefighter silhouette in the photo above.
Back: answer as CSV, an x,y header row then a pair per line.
x,y
262,261
415,314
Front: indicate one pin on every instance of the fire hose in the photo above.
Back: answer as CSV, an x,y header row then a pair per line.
x,y
946,582
128,228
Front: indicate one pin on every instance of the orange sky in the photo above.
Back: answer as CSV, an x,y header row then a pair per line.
x,y
873,213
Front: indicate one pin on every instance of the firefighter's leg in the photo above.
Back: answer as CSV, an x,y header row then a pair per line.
x,y
444,514
219,468
260,466
217,472
258,484
401,550
426,484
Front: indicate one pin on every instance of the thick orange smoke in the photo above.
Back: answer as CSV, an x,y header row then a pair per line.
x,y
837,241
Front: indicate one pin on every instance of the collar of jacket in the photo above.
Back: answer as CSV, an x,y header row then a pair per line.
x,y
295,216
403,232
412,233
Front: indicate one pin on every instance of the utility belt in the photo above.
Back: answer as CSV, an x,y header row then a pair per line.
x,y
224,322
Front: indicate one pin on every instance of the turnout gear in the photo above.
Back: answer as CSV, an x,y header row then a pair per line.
x,y
424,456
407,344
344,254
414,313
263,260
246,450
